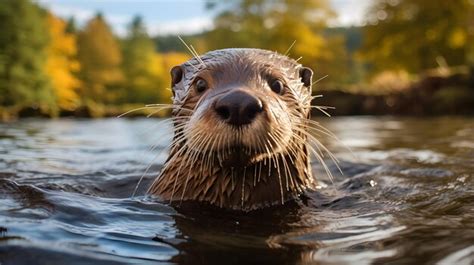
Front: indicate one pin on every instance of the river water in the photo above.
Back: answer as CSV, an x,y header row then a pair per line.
x,y
406,196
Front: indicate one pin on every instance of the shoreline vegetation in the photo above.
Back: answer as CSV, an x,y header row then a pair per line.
x,y
435,94
411,57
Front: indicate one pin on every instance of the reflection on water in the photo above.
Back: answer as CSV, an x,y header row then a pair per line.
x,y
406,196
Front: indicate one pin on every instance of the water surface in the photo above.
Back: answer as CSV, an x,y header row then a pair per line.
x,y
406,196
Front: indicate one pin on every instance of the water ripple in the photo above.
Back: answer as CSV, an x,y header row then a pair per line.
x,y
406,196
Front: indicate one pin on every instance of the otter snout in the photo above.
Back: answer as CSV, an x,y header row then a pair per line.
x,y
238,108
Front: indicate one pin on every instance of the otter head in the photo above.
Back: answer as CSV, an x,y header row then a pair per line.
x,y
240,118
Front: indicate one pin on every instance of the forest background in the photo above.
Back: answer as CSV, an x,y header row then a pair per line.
x,y
410,57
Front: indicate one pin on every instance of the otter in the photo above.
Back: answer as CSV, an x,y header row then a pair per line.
x,y
240,120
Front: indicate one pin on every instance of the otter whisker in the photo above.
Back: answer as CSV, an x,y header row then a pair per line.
x,y
211,157
243,187
320,79
219,155
265,162
154,112
322,107
168,105
232,177
149,106
297,145
287,175
315,126
255,175
324,131
323,111
260,147
292,152
172,119
172,106
155,157
168,147
208,145
133,110
144,174
318,128
278,171
267,149
321,161
149,166
192,51
184,148
319,156
331,155
197,56
166,168
286,170
199,145
291,46
194,149
278,133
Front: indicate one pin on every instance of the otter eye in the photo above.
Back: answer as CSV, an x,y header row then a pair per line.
x,y
201,85
277,86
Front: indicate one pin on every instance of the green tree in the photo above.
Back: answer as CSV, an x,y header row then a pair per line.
x,y
142,81
23,40
100,59
412,34
71,26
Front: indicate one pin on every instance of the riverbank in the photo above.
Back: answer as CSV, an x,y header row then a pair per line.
x,y
431,95
96,111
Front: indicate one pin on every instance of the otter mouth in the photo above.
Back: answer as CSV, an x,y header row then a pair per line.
x,y
236,158
240,156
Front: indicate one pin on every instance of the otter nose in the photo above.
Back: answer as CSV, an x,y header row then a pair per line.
x,y
238,108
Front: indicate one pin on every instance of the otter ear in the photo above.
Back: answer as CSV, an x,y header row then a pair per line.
x,y
306,75
176,75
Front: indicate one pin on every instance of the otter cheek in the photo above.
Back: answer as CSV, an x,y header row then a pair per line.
x,y
195,125
204,127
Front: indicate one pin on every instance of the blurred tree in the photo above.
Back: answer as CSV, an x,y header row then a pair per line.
x,y
411,35
23,40
275,25
61,63
71,25
100,59
141,66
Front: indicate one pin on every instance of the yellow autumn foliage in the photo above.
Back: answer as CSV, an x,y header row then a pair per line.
x,y
61,63
164,63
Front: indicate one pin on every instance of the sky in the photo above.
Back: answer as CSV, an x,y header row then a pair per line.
x,y
173,17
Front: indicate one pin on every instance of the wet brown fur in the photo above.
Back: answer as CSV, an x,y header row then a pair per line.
x,y
196,168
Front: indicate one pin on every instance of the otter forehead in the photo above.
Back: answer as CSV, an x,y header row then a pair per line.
x,y
244,63
244,66
247,56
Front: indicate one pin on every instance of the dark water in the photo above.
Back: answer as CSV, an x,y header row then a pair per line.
x,y
406,196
